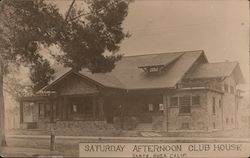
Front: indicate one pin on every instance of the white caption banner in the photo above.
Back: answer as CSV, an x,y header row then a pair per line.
x,y
165,150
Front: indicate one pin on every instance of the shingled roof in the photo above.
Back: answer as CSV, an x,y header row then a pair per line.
x,y
127,74
215,70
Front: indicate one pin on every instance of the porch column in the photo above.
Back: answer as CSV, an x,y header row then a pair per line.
x,y
21,111
165,112
100,103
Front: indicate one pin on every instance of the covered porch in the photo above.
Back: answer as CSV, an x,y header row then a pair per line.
x,y
37,111
81,100
147,109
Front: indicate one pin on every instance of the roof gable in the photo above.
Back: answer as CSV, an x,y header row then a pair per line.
x,y
127,75
217,70
73,84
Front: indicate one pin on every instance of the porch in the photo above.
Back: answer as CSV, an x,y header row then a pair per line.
x,y
144,111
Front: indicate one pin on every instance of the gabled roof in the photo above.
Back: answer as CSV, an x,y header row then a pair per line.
x,y
216,70
127,75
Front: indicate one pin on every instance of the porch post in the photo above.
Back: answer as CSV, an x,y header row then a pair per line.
x,y
165,112
94,106
100,107
21,111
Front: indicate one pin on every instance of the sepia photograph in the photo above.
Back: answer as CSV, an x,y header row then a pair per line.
x,y
124,78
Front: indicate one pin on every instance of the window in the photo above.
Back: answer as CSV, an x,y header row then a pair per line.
x,y
232,120
185,125
214,105
225,87
174,101
185,100
227,121
232,89
195,100
214,125
185,107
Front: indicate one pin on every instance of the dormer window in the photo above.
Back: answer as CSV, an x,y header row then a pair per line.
x,y
153,68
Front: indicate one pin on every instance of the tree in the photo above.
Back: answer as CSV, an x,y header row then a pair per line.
x,y
1,101
83,35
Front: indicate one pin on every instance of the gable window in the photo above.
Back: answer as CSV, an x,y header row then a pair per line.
x,y
185,103
232,89
174,101
214,105
225,87
195,100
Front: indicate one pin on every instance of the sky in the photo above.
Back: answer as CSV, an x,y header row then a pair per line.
x,y
219,27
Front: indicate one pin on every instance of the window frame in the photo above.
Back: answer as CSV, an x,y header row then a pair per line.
x,y
184,105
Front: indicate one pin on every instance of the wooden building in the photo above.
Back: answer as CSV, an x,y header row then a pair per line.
x,y
178,91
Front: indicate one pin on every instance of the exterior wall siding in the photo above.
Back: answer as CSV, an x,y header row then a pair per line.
x,y
215,116
197,119
75,85
229,105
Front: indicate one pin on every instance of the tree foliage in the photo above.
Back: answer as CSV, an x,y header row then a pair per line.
x,y
31,24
